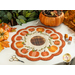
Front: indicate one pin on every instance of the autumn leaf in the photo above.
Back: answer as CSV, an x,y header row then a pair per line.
x,y
1,47
13,29
5,44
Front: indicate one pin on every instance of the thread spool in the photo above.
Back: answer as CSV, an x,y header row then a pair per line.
x,y
66,37
70,39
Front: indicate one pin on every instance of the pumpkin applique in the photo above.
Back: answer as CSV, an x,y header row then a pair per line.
x,y
48,31
57,42
54,36
19,44
52,48
40,29
24,51
34,53
45,53
3,34
31,29
24,33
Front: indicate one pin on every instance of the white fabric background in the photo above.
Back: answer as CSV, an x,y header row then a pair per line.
x,y
6,54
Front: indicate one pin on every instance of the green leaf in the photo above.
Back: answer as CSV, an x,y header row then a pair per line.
x,y
19,11
0,21
22,21
18,21
14,15
33,50
9,15
22,42
30,19
17,14
14,11
48,47
30,11
5,16
39,11
33,14
28,14
51,37
2,13
27,34
5,19
21,17
40,31
24,13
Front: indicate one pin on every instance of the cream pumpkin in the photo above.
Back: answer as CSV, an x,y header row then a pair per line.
x,y
51,21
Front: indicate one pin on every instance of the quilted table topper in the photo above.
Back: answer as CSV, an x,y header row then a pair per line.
x,y
37,43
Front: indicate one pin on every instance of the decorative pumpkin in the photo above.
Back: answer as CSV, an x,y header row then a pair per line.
x,y
44,53
19,44
40,29
57,42
24,33
5,26
34,53
24,51
31,29
18,38
54,36
3,34
53,48
48,31
51,21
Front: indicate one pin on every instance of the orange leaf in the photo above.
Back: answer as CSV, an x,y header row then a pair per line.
x,y
5,44
13,29
1,47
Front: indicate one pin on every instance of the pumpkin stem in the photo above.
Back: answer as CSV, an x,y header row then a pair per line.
x,y
1,34
2,24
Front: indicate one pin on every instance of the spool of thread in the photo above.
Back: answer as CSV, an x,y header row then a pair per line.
x,y
66,37
70,39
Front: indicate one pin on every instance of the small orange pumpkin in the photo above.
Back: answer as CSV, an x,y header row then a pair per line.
x,y
40,29
51,21
3,34
19,44
53,48
44,53
24,51
34,53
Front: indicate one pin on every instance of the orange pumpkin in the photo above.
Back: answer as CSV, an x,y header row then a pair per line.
x,y
5,26
19,44
3,34
51,21
24,51
31,29
52,48
34,53
45,53
40,29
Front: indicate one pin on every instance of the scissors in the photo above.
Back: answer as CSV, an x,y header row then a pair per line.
x,y
14,58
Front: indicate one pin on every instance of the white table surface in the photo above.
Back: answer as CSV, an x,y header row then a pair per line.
x,y
6,54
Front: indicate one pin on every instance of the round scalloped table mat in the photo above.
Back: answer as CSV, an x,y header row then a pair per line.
x,y
37,43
